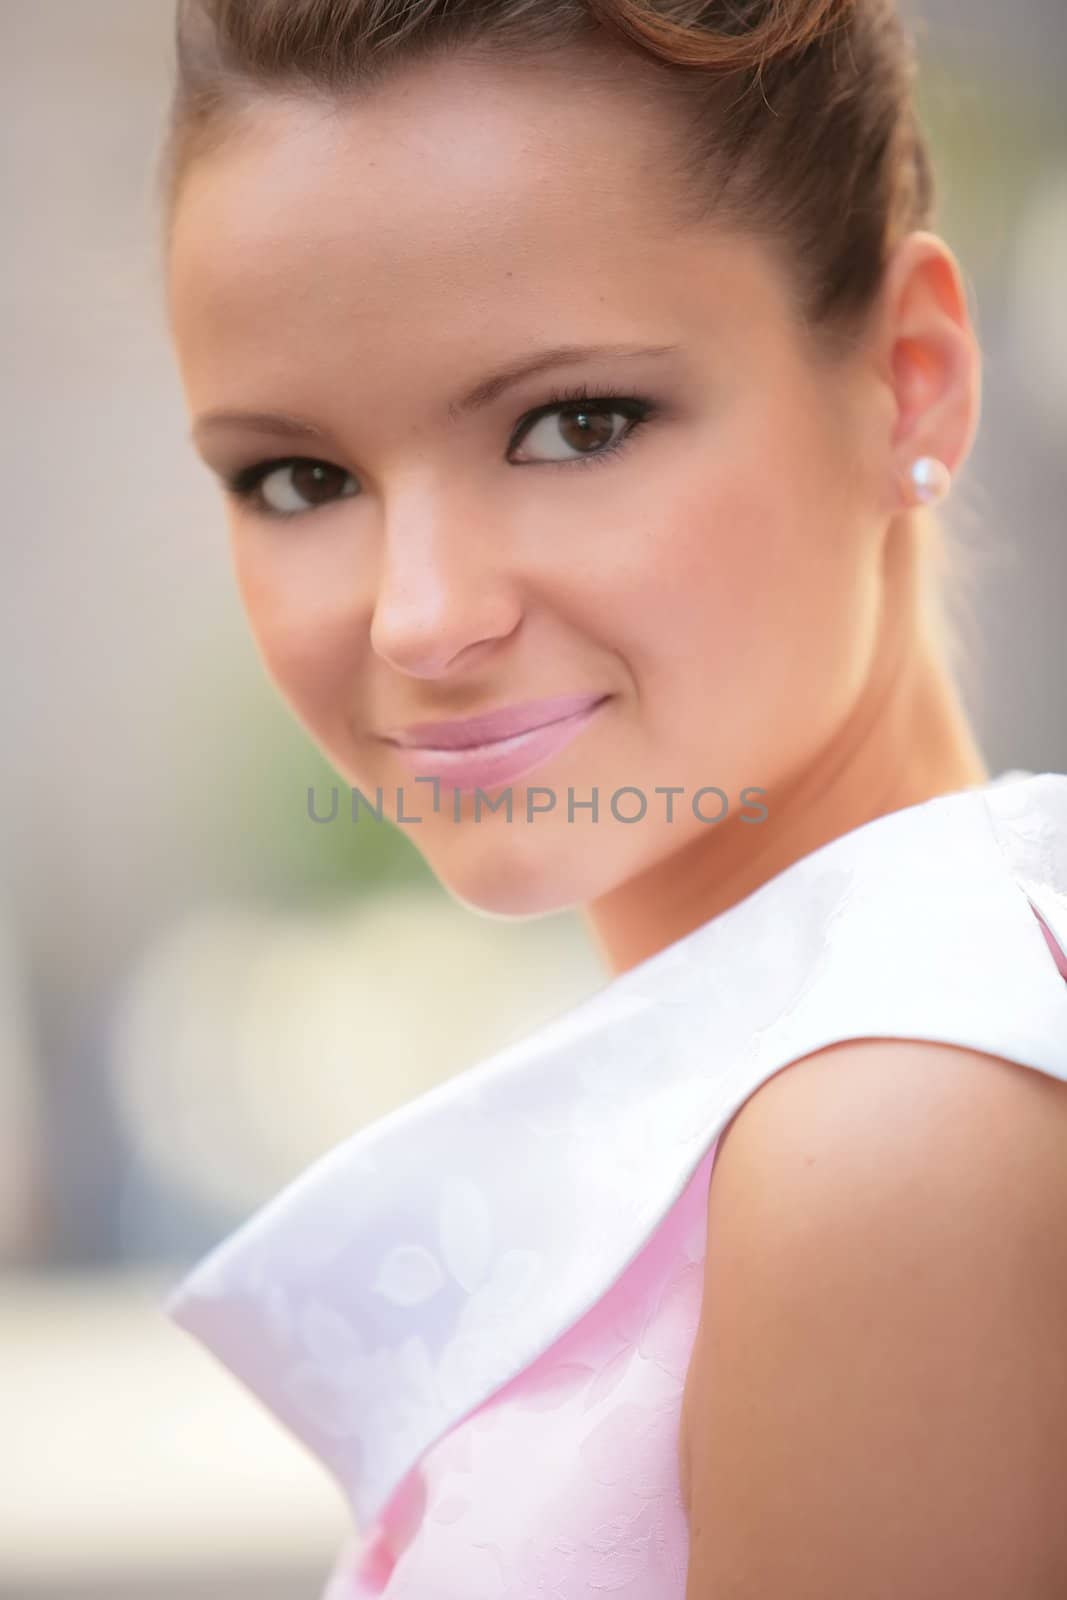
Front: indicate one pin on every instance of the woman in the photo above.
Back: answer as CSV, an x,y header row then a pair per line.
x,y
425,262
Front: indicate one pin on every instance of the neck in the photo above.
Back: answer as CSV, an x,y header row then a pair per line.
x,y
907,740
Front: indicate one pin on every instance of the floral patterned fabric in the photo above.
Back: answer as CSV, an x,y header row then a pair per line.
x,y
478,1311
565,1483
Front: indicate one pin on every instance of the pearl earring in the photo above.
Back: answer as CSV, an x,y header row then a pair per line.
x,y
930,480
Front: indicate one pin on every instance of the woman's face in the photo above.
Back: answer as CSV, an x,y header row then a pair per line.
x,y
696,546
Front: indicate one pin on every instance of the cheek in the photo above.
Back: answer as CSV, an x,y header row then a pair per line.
x,y
303,614
747,598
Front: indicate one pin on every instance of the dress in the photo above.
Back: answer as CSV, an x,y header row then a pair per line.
x,y
478,1311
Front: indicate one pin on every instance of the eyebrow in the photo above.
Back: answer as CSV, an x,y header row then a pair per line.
x,y
482,394
492,387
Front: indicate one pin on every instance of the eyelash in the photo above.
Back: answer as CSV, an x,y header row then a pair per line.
x,y
244,485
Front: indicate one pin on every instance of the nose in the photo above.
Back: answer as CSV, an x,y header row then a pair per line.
x,y
443,593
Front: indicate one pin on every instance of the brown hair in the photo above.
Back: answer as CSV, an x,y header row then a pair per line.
x,y
796,117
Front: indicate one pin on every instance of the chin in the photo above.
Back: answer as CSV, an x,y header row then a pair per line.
x,y
502,880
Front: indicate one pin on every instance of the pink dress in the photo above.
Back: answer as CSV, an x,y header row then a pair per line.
x,y
478,1311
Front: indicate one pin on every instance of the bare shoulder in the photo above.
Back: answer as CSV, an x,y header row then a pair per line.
x,y
877,1397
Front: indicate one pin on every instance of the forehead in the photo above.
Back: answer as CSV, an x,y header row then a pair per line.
x,y
463,201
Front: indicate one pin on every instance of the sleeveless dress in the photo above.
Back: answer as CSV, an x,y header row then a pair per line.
x,y
478,1311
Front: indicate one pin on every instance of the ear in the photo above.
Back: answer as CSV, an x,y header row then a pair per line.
x,y
928,354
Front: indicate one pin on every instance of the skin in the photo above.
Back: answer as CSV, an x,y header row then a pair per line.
x,y
876,1402
743,577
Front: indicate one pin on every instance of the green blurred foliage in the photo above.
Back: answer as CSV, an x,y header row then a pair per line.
x,y
258,765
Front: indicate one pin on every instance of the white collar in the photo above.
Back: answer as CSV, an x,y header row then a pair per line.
x,y
414,1269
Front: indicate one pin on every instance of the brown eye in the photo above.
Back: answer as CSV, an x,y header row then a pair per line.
x,y
301,485
583,429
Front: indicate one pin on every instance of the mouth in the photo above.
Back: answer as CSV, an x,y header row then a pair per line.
x,y
493,762
491,728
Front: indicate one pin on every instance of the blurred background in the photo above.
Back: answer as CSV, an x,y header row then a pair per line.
x,y
200,989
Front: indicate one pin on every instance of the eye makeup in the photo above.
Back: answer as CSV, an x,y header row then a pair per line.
x,y
245,485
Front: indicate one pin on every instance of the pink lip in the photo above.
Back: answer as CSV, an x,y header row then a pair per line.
x,y
469,733
500,761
